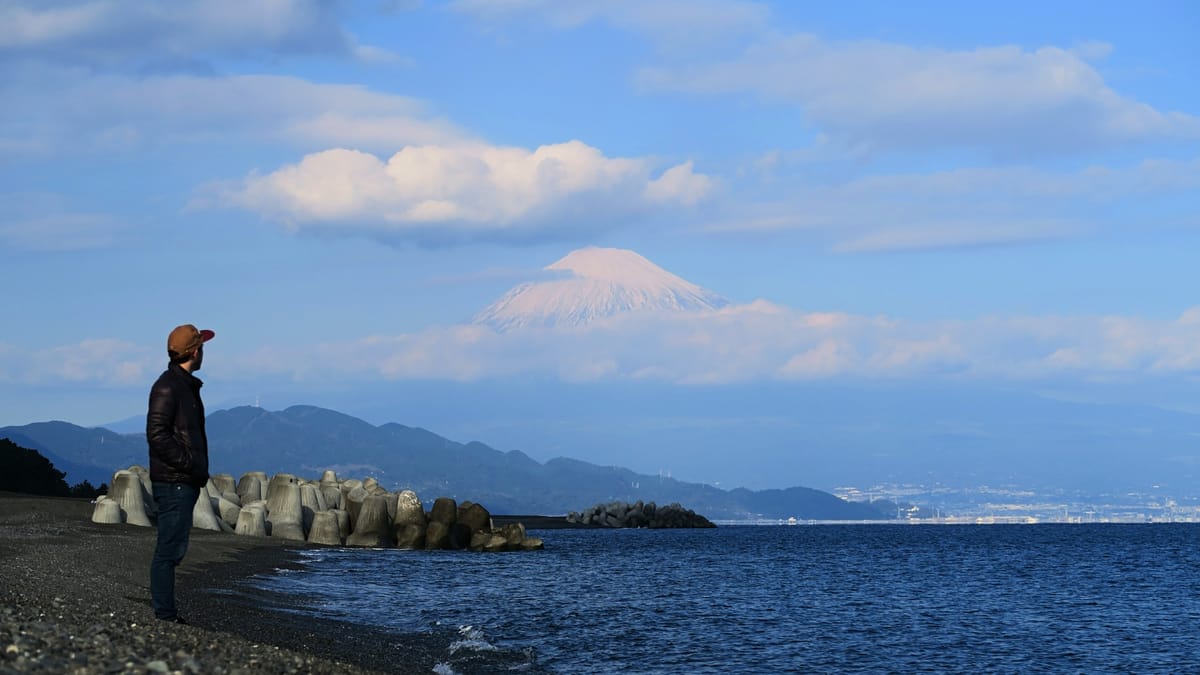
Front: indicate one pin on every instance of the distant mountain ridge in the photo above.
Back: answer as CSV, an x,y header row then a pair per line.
x,y
90,454
601,283
305,440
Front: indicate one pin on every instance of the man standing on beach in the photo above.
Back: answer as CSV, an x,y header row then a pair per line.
x,y
178,460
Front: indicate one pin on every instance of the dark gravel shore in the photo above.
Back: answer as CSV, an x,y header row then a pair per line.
x,y
75,598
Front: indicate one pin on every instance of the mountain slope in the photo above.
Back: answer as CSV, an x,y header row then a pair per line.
x,y
82,453
305,440
599,283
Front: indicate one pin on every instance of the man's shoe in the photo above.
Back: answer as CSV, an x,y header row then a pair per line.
x,y
174,619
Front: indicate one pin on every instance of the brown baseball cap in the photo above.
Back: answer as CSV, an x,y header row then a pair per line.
x,y
186,338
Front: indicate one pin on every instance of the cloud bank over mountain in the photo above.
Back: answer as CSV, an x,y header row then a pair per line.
x,y
762,340
618,317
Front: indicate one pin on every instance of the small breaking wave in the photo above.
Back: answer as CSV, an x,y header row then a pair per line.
x,y
471,651
472,639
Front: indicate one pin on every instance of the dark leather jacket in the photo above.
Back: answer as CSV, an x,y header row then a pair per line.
x,y
175,429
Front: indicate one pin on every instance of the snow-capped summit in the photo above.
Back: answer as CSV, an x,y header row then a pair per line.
x,y
602,282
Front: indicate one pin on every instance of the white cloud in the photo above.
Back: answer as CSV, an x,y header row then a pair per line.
x,y
958,234
679,184
93,361
828,358
746,343
45,222
872,95
58,232
762,341
56,112
966,206
144,34
465,188
672,21
25,27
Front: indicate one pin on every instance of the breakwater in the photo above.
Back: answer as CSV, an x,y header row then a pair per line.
x,y
330,511
639,514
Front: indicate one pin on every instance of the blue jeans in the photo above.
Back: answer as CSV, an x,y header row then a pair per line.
x,y
175,503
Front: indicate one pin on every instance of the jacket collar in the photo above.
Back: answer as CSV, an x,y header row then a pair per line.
x,y
191,379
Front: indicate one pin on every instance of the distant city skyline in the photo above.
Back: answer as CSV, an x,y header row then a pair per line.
x,y
1000,197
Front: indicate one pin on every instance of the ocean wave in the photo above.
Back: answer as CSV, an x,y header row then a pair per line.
x,y
473,639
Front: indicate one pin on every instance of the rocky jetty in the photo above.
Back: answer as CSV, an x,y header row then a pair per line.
x,y
327,511
624,514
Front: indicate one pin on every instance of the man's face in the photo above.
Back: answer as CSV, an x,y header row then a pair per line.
x,y
199,358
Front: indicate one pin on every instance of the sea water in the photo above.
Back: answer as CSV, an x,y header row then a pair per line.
x,y
745,599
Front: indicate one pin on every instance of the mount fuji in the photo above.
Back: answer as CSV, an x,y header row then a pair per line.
x,y
600,283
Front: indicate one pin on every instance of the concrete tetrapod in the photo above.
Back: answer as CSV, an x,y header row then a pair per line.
x,y
459,537
514,534
408,523
107,511
126,490
204,516
224,483
250,488
409,510
409,536
311,502
343,520
442,517
278,481
373,528
353,503
284,511
325,529
213,490
349,484
332,494
475,516
437,535
225,508
252,521
306,510
444,510
488,541
143,475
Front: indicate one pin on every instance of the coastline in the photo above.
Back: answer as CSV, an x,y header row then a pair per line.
x,y
74,597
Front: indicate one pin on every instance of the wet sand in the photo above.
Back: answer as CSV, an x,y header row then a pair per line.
x,y
75,598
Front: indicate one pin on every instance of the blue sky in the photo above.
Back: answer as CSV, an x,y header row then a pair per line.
x,y
1002,195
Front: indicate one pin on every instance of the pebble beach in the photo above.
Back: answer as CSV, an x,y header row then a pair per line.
x,y
75,598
